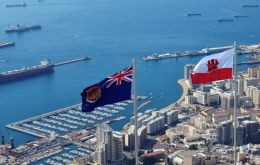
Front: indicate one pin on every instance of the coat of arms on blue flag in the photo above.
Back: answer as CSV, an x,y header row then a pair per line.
x,y
112,89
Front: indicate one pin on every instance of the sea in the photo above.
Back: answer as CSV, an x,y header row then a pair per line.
x,y
112,32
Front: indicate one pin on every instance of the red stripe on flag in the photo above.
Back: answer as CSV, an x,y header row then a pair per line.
x,y
214,75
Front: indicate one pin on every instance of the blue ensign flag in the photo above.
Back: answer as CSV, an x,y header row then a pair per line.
x,y
112,89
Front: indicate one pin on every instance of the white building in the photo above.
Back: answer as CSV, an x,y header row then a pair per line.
x,y
129,138
190,100
227,100
156,125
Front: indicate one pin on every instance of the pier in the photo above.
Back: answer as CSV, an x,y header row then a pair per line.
x,y
72,61
241,50
249,62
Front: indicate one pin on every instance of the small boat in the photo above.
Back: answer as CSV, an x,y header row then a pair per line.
x,y
6,44
249,5
194,14
225,20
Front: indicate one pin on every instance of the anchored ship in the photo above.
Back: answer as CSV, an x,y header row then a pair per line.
x,y
249,5
225,20
6,44
194,14
156,56
45,67
17,5
21,28
240,15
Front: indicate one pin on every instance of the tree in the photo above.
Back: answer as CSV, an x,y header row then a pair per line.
x,y
193,147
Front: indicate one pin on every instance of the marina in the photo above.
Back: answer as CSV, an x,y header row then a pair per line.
x,y
70,119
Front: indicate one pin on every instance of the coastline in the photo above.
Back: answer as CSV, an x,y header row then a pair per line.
x,y
185,90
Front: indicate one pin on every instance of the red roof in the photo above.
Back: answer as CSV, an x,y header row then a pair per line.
x,y
81,136
73,134
152,154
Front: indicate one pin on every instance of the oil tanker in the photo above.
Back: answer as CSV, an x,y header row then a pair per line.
x,y
45,67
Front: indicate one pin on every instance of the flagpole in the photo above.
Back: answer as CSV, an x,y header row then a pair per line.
x,y
235,102
135,112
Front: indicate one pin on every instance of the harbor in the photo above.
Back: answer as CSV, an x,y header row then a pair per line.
x,y
248,50
70,119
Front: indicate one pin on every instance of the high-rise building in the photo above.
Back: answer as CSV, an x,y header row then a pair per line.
x,y
256,98
251,131
224,133
171,117
240,135
12,142
129,137
187,69
3,140
249,91
156,125
109,150
252,71
117,155
250,81
240,86
227,100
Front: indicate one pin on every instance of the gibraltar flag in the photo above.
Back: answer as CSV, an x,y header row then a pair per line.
x,y
213,67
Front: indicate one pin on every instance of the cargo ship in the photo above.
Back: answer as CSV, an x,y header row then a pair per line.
x,y
6,44
249,5
194,14
17,5
21,28
45,67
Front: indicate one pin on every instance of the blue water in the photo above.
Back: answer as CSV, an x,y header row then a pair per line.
x,y
112,32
